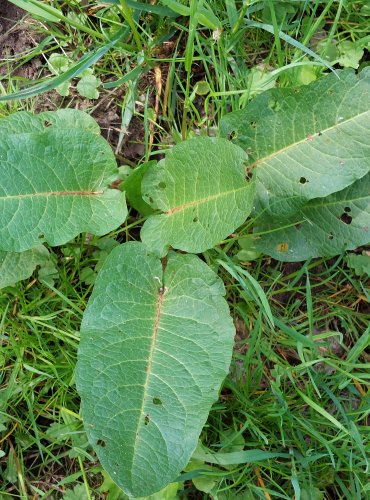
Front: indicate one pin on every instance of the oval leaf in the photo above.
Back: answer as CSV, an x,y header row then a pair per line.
x,y
307,142
324,227
201,189
55,175
156,343
15,266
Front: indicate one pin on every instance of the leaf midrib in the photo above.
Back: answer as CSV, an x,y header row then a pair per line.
x,y
51,193
157,318
201,201
304,140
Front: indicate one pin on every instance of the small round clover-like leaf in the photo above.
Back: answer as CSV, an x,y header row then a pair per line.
x,y
55,172
323,228
202,191
307,142
156,344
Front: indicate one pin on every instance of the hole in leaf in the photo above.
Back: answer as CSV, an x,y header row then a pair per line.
x,y
248,174
41,236
162,185
253,124
347,209
146,420
330,236
47,123
298,226
303,180
232,135
274,105
346,218
101,442
157,401
195,219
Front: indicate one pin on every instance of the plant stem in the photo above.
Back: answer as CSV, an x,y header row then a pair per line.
x,y
126,11
238,23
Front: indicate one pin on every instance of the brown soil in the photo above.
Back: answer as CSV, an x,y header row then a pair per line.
x,y
16,37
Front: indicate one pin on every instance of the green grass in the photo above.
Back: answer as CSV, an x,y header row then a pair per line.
x,y
299,382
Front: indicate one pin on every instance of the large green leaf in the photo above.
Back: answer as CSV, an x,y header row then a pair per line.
x,y
324,227
15,266
132,188
55,172
306,142
202,190
156,343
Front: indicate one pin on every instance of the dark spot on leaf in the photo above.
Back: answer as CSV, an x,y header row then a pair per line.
x,y
303,180
47,123
319,133
282,247
253,124
346,218
101,442
150,199
162,185
298,226
157,401
146,420
330,236
347,209
41,236
195,219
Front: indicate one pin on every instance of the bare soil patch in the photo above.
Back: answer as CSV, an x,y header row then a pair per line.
x,y
16,37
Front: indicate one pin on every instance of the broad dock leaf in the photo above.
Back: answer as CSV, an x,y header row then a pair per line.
x,y
16,266
324,227
305,142
201,189
55,171
156,344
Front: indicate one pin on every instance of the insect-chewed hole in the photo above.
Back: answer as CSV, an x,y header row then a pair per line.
x,y
47,123
303,180
347,209
157,401
232,135
162,185
274,105
346,218
41,236
298,226
248,174
146,420
195,219
101,442
330,236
